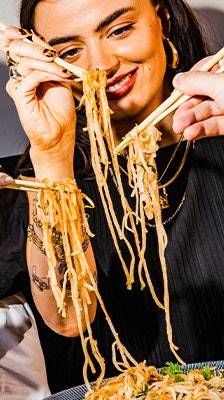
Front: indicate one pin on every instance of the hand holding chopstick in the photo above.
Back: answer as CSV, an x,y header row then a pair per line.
x,y
169,105
70,67
197,117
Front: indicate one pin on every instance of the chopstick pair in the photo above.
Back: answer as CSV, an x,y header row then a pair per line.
x,y
70,67
28,186
169,105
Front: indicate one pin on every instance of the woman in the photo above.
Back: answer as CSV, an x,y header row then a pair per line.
x,y
129,40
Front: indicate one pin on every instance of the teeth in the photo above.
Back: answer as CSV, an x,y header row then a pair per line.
x,y
119,85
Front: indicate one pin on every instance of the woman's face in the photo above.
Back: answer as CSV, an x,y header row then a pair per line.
x,y
123,37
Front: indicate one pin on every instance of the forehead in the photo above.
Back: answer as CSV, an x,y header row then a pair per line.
x,y
54,16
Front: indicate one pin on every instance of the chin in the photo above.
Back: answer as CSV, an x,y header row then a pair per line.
x,y
121,112
129,106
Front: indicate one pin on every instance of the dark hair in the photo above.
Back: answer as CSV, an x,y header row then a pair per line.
x,y
184,33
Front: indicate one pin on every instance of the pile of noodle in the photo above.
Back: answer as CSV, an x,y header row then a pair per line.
x,y
146,383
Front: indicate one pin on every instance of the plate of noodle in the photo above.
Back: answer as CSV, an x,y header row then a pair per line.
x,y
201,381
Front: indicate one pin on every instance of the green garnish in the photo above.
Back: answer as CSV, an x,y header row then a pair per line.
x,y
207,372
172,369
179,378
144,392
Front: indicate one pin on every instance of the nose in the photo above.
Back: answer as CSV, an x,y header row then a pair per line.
x,y
102,59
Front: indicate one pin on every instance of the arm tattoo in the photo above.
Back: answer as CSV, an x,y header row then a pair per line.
x,y
35,239
41,283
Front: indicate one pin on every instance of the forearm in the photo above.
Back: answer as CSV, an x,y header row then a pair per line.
x,y
43,296
38,269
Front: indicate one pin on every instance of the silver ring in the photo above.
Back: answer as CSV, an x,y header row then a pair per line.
x,y
14,74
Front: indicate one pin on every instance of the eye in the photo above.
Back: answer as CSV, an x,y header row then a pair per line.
x,y
70,53
122,30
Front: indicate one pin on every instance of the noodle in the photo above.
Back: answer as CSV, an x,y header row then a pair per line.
x,y
101,135
146,383
62,210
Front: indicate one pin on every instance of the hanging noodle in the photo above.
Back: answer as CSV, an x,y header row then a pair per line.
x,y
102,142
142,178
142,174
62,209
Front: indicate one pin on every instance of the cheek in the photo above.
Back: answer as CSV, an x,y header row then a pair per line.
x,y
142,47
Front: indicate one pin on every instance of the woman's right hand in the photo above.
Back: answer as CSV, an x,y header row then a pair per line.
x,y
43,98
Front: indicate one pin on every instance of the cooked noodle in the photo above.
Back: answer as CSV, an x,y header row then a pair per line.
x,y
62,209
146,383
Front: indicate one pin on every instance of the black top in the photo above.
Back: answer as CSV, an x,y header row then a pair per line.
x,y
195,257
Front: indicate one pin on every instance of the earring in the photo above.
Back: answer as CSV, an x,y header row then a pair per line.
x,y
172,53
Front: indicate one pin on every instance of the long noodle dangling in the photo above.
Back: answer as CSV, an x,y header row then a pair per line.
x,y
143,178
62,209
102,142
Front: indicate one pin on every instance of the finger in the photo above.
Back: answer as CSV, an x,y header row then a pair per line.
x,y
213,126
19,49
200,112
202,62
26,88
192,102
12,33
202,83
39,39
180,113
5,180
28,65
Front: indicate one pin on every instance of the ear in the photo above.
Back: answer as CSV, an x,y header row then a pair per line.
x,y
164,16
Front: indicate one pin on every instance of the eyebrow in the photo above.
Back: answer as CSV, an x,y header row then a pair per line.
x,y
112,17
103,24
63,39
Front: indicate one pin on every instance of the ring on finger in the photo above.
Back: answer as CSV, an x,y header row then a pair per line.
x,y
14,74
9,60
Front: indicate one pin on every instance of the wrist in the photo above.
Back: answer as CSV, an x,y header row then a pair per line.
x,y
54,166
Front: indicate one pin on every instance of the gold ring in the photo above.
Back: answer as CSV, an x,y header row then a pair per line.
x,y
9,60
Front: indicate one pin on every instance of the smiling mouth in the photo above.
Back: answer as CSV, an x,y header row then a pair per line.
x,y
121,86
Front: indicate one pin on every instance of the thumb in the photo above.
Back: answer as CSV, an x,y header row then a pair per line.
x,y
197,83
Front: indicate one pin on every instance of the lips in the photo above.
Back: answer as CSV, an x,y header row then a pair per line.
x,y
121,85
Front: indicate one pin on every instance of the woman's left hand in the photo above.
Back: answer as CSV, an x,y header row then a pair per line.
x,y
203,114
5,180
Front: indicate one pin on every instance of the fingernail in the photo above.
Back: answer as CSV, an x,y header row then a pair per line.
x,y
6,180
49,53
71,75
25,32
38,35
178,79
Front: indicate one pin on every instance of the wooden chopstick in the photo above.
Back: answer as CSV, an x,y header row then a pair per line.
x,y
70,67
172,103
31,186
178,103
